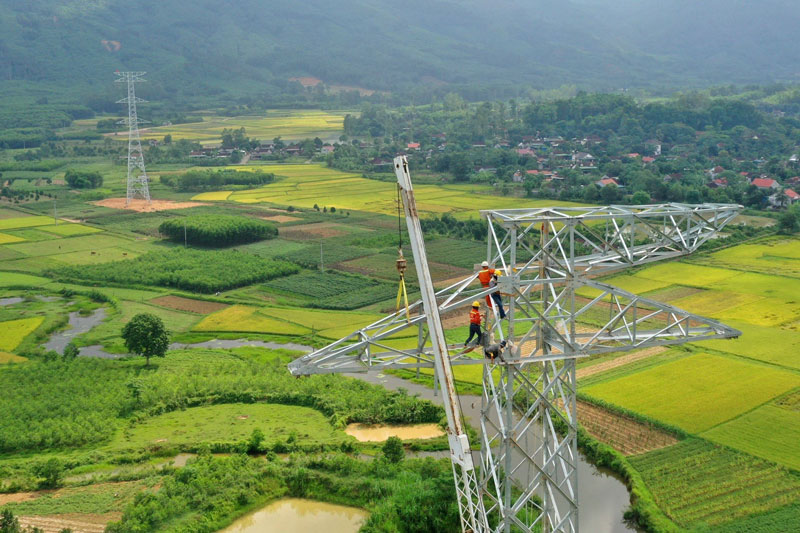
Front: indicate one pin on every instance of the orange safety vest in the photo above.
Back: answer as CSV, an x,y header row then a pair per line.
x,y
485,276
475,316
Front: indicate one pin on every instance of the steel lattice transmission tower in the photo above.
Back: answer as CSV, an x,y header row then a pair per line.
x,y
557,313
137,175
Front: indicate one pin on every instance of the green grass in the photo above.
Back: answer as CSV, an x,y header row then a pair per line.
x,y
772,345
69,230
771,256
92,499
769,432
696,483
686,274
8,279
73,244
697,392
229,423
13,332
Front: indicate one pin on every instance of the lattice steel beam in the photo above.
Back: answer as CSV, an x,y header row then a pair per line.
x,y
556,314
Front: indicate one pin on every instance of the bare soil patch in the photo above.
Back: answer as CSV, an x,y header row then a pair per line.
x,y
140,206
17,497
625,434
280,219
305,232
77,522
179,303
619,361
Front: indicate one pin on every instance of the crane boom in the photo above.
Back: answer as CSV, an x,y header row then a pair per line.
x,y
473,517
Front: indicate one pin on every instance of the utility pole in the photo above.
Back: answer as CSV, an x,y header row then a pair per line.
x,y
55,213
321,264
184,233
137,175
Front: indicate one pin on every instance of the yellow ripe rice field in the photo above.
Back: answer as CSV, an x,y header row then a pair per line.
x,y
213,196
241,318
306,185
291,124
25,222
696,392
13,332
769,344
8,239
7,358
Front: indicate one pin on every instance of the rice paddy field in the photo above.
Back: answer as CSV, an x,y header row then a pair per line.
x,y
306,185
736,397
292,124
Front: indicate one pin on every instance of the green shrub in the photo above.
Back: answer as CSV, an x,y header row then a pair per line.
x,y
83,179
217,230
197,180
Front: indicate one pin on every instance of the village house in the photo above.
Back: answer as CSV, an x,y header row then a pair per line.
x,y
607,181
765,183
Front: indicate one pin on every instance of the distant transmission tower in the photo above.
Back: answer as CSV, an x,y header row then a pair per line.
x,y
137,175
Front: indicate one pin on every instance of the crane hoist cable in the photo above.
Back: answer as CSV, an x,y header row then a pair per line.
x,y
401,263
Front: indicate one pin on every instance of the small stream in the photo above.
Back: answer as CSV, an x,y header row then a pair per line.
x,y
79,325
603,495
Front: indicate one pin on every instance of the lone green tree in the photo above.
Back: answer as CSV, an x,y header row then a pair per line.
x,y
146,335
393,450
51,472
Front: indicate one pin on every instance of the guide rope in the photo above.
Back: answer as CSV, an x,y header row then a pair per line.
x,y
401,264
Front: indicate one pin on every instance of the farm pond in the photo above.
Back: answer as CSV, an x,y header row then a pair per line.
x,y
294,515
603,495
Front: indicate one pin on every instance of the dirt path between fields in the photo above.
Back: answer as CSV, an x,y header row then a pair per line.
x,y
638,355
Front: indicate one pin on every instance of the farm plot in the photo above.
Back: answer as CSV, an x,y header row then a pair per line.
x,y
244,319
761,285
25,222
770,432
74,244
694,483
622,433
291,124
681,392
712,303
230,423
10,279
8,239
333,290
309,255
306,185
691,275
463,254
69,230
13,332
772,256
190,305
193,270
330,324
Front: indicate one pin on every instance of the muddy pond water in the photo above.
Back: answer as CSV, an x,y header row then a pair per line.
x,y
380,433
603,495
294,515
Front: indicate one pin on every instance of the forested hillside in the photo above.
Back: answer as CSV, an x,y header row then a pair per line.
x,y
207,45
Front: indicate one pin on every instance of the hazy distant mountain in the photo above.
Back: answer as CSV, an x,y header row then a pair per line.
x,y
384,44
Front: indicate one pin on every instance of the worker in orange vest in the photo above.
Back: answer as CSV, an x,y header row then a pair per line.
x,y
488,278
475,323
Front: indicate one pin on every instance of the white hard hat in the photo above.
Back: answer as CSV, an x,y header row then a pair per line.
x,y
485,264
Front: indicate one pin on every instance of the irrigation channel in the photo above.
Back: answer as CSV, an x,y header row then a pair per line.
x,y
603,496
